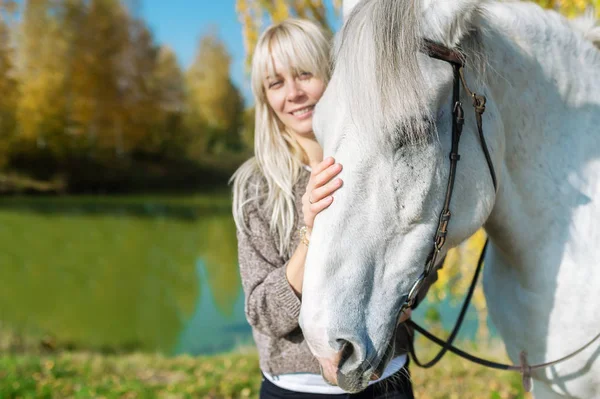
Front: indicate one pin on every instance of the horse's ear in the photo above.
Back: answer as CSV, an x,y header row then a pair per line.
x,y
347,6
588,26
447,21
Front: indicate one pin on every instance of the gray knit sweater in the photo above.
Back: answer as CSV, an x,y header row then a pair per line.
x,y
272,307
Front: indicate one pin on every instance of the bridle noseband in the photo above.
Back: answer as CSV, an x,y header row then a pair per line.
x,y
454,58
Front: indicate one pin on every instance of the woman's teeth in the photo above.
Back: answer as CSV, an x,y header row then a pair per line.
x,y
302,111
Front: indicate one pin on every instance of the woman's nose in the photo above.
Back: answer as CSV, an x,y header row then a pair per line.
x,y
295,91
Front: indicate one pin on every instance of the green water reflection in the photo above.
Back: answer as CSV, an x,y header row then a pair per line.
x,y
128,272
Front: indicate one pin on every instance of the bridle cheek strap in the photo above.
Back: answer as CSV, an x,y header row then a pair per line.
x,y
454,58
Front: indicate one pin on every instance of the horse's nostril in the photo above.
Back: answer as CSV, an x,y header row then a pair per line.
x,y
346,350
341,343
351,354
351,365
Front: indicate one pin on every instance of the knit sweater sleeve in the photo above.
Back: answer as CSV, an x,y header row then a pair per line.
x,y
272,307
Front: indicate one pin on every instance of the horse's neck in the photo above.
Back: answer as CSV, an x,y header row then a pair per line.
x,y
547,89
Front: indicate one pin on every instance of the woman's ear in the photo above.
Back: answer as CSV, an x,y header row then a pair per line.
x,y
448,21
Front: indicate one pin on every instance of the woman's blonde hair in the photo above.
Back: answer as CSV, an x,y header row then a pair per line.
x,y
299,46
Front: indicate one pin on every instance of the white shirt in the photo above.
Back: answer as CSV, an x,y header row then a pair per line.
x,y
314,383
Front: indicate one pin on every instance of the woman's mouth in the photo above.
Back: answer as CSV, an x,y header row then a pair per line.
x,y
303,113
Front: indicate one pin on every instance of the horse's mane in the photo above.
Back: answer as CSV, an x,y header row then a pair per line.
x,y
377,69
381,77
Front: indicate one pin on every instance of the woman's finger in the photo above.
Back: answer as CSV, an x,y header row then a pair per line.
x,y
321,204
324,164
326,190
326,175
327,162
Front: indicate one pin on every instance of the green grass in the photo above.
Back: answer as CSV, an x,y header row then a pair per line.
x,y
456,378
234,375
86,375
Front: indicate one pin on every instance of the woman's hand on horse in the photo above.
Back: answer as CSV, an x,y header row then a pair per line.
x,y
321,186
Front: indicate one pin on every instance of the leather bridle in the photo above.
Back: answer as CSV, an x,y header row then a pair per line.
x,y
456,59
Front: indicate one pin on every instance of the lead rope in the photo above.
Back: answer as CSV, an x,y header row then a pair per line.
x,y
524,368
457,325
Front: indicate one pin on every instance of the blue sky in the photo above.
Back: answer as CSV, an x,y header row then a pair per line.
x,y
180,23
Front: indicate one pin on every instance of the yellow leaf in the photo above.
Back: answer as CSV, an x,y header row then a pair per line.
x,y
253,14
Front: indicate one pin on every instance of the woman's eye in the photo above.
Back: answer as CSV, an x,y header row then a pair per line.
x,y
274,84
305,75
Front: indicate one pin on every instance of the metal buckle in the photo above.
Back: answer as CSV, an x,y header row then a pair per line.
x,y
414,291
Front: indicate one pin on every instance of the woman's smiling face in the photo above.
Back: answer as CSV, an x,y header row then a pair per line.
x,y
293,96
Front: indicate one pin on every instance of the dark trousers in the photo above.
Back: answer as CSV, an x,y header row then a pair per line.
x,y
396,386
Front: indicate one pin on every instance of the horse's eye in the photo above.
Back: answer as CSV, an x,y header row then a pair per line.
x,y
412,131
394,137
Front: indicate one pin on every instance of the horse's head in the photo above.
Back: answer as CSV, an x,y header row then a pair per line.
x,y
387,118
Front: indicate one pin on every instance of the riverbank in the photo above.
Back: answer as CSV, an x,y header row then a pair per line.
x,y
135,174
232,375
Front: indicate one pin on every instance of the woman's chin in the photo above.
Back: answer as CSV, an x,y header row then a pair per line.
x,y
304,132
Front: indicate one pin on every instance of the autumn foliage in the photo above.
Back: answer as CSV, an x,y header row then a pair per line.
x,y
88,93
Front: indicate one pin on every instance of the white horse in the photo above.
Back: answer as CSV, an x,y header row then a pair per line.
x,y
387,116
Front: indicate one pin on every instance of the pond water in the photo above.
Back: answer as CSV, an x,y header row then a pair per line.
x,y
151,273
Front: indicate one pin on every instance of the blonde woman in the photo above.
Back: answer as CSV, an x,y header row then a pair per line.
x,y
276,196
